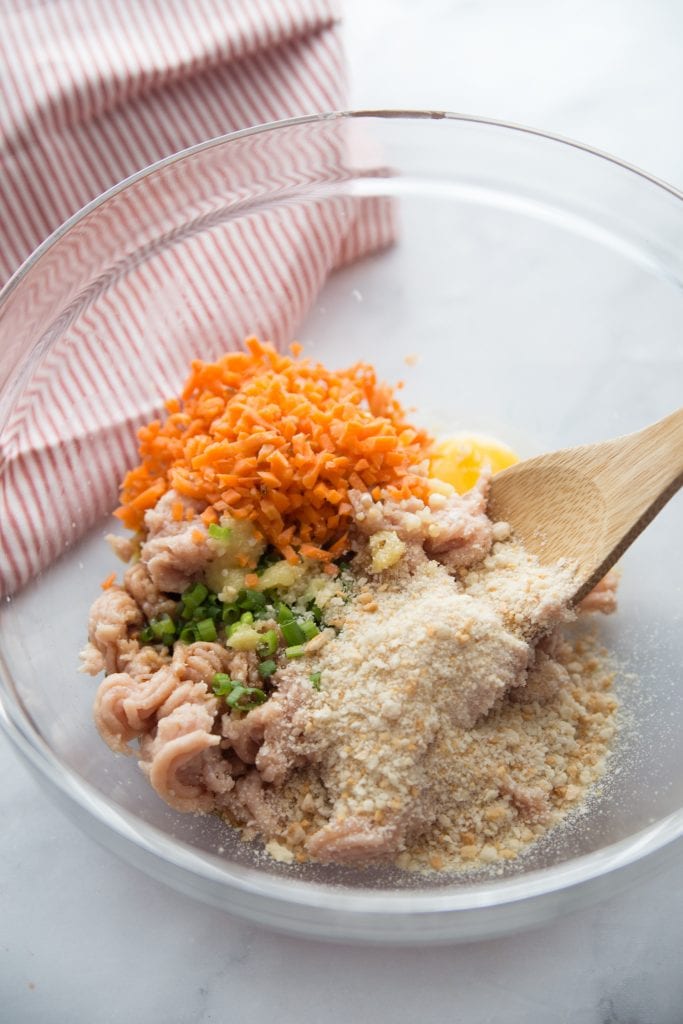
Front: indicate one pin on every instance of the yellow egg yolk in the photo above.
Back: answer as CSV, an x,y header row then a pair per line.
x,y
460,458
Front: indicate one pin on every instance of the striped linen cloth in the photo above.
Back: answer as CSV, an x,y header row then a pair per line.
x,y
90,92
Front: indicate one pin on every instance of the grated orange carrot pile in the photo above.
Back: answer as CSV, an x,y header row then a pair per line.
x,y
278,440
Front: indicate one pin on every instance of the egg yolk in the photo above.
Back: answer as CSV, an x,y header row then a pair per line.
x,y
460,458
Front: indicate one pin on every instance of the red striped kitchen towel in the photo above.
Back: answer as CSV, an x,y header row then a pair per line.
x,y
90,92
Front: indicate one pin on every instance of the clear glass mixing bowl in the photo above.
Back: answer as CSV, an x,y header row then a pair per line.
x,y
540,284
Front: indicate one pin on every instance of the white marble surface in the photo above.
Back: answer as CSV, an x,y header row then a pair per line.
x,y
84,938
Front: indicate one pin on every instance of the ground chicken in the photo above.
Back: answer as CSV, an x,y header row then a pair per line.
x,y
150,600
114,615
439,635
176,552
455,530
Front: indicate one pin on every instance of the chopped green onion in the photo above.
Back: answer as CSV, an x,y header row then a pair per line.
x,y
251,600
254,695
315,679
317,613
296,651
219,532
284,614
164,628
293,633
237,691
269,642
206,630
266,668
309,629
188,635
145,636
247,617
222,684
163,625
231,613
195,595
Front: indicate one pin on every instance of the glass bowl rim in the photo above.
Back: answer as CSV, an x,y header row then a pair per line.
x,y
332,115
340,900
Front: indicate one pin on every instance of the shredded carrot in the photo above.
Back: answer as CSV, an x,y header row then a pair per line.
x,y
177,511
310,551
251,580
198,537
109,582
278,440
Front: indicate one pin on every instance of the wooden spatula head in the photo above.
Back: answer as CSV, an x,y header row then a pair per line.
x,y
588,504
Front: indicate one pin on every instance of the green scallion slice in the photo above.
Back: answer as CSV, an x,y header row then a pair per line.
x,y
295,651
284,613
315,679
219,532
145,635
194,596
309,629
254,697
293,633
222,684
268,643
231,613
238,691
188,634
206,630
247,617
317,613
163,629
266,668
251,600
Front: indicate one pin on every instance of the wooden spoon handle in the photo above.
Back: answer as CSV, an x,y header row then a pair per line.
x,y
637,475
657,452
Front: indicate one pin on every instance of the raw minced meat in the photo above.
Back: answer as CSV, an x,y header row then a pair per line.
x,y
343,657
371,762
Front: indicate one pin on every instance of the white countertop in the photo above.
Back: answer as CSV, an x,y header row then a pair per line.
x,y
84,938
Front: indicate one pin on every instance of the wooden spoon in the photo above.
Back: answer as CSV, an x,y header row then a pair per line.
x,y
588,504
